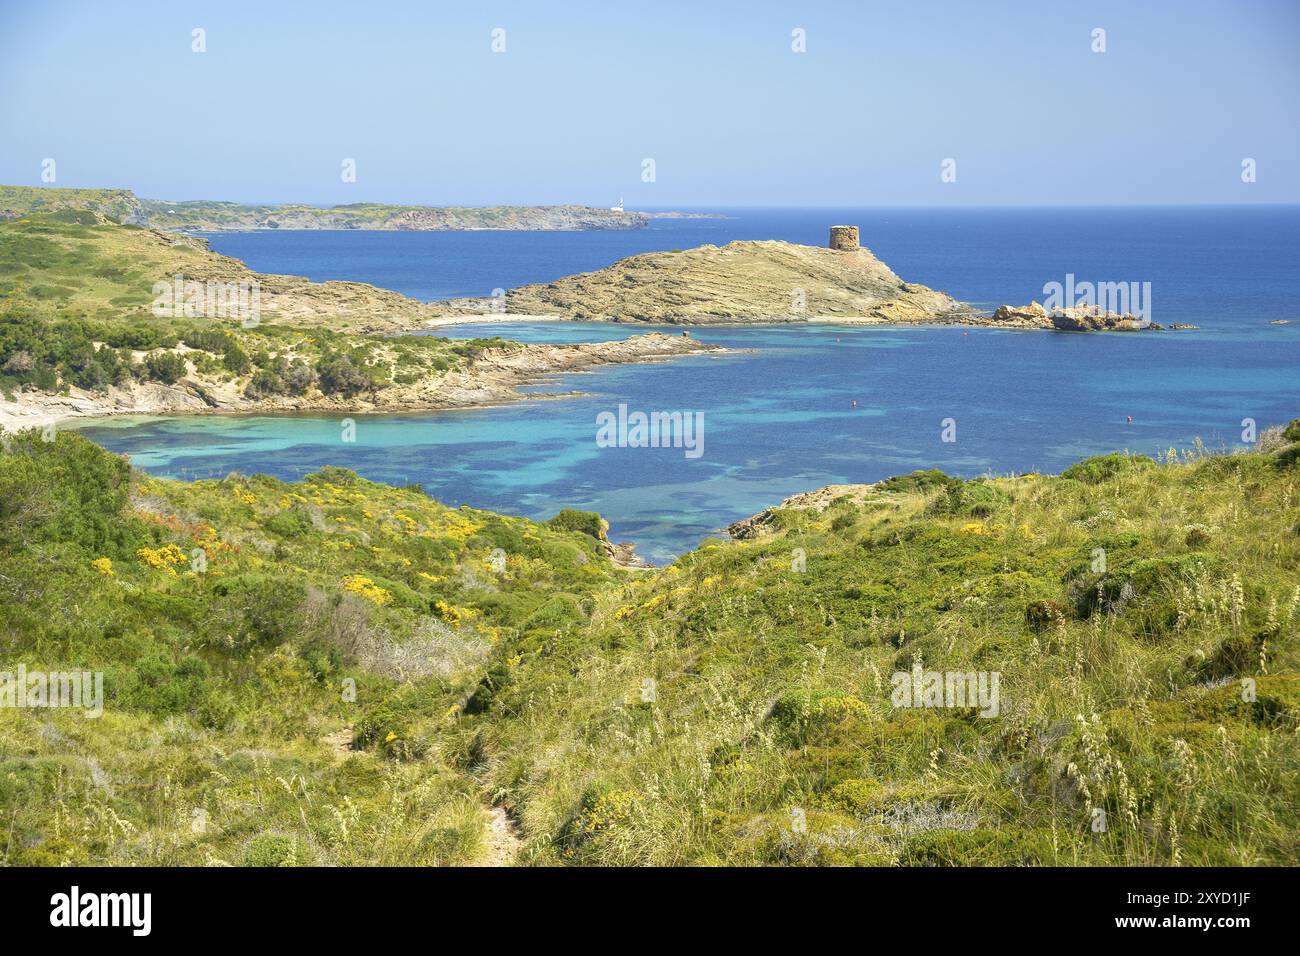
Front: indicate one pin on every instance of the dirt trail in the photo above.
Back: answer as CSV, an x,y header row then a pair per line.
x,y
340,743
503,839
503,842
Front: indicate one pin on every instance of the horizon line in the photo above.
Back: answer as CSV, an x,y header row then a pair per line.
x,y
697,207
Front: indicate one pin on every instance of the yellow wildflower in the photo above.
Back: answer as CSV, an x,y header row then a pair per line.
x,y
455,616
367,589
162,559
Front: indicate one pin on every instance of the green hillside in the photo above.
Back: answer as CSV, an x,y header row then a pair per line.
x,y
728,709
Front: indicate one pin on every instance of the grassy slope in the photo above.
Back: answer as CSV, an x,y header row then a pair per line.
x,y
117,204
224,677
82,264
69,279
772,686
90,267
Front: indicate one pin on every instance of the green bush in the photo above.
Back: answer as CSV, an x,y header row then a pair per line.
x,y
1094,471
585,522
166,367
276,850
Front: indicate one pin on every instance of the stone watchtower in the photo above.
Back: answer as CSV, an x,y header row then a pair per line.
x,y
844,238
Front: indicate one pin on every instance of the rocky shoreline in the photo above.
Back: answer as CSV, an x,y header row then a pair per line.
x,y
493,377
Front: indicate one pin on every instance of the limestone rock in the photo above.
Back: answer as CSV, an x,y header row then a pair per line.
x,y
750,281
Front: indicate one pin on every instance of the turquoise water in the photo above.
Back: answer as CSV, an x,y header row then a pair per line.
x,y
779,416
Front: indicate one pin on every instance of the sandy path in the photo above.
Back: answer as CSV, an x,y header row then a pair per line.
x,y
503,843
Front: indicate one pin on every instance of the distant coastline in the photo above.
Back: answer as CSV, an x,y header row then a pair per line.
x,y
192,216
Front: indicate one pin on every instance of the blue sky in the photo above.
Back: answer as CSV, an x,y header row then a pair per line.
x,y
712,92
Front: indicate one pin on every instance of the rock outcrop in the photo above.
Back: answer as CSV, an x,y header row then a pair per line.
x,y
761,524
1031,316
1077,318
1082,318
763,281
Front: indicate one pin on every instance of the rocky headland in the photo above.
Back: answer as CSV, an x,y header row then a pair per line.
x,y
764,281
741,282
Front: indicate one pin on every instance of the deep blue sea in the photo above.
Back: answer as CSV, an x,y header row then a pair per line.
x,y
779,417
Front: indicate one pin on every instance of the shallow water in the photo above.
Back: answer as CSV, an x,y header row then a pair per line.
x,y
780,419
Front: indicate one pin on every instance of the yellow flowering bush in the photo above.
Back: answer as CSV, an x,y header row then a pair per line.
x,y
606,809
164,558
457,527
366,588
455,616
655,602
104,566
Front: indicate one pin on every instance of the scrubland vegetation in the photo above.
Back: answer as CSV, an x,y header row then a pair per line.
x,y
75,312
241,625
338,672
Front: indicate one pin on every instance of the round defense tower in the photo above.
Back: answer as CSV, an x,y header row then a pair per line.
x,y
844,238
